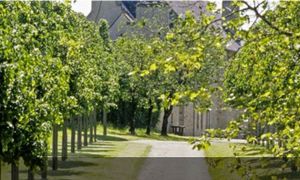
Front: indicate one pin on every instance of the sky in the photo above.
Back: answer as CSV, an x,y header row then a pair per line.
x,y
83,6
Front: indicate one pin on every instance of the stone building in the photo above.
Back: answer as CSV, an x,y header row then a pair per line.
x,y
121,13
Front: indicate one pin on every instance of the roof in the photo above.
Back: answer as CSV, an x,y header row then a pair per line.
x,y
113,10
109,10
130,7
180,7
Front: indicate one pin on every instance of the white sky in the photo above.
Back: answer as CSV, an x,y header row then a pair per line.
x,y
83,6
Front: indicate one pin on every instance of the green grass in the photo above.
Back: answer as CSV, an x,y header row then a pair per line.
x,y
112,157
222,162
228,149
140,134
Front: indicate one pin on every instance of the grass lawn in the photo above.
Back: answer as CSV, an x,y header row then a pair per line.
x,y
113,156
222,163
140,134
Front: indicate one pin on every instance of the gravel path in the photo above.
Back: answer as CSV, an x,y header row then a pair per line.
x,y
173,160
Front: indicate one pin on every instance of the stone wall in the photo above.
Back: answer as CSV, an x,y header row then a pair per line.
x,y
196,123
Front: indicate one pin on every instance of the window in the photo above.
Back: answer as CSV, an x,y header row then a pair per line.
x,y
181,115
201,121
207,119
197,120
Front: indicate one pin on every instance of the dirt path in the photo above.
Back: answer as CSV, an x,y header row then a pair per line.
x,y
173,160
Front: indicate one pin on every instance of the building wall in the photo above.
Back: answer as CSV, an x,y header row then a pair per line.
x,y
120,26
196,123
109,10
114,13
155,17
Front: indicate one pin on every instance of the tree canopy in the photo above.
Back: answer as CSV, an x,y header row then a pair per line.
x,y
54,64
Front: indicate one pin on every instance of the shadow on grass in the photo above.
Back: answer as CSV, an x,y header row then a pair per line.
x,y
110,138
87,150
153,136
61,172
73,164
285,175
252,153
264,168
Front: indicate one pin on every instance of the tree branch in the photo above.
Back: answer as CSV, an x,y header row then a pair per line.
x,y
262,17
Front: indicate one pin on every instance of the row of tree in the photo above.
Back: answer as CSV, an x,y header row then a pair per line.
x,y
262,79
174,66
55,66
58,70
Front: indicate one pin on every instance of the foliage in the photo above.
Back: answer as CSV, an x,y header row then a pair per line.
x,y
134,54
178,67
53,65
262,80
190,57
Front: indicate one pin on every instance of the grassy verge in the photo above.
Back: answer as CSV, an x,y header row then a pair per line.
x,y
249,163
112,157
140,134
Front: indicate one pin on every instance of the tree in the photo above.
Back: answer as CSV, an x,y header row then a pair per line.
x,y
190,56
262,80
29,71
133,54
51,58
110,79
265,77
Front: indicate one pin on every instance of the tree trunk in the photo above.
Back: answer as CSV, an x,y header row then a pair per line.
x,y
167,113
272,143
124,113
132,118
279,143
54,147
91,127
149,120
293,166
95,127
64,151
30,173
79,143
44,171
104,122
73,134
44,166
268,144
14,171
85,130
